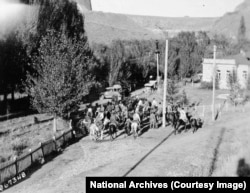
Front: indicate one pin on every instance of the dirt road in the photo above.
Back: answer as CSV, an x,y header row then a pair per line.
x,y
213,150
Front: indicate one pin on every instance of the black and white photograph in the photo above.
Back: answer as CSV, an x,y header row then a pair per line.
x,y
124,90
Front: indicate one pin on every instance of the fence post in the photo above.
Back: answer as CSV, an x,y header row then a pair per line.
x,y
70,124
54,140
15,159
41,145
203,112
31,157
64,140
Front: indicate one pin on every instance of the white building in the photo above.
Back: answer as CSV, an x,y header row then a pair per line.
x,y
224,67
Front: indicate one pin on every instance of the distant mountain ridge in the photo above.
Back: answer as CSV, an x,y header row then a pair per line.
x,y
230,22
104,27
173,25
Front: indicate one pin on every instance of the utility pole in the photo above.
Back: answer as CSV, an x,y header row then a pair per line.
x,y
214,68
157,62
165,85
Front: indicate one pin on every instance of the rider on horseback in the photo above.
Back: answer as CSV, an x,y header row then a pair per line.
x,y
136,118
113,118
90,111
170,107
93,130
183,115
154,103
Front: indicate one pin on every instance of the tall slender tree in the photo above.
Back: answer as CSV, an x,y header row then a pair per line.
x,y
62,74
242,31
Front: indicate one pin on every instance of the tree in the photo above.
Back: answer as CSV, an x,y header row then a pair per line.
x,y
116,58
242,31
62,74
13,61
236,91
183,99
173,90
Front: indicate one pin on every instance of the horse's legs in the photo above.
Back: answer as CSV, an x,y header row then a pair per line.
x,y
194,129
137,130
111,132
185,126
134,127
127,127
133,130
176,127
115,131
102,134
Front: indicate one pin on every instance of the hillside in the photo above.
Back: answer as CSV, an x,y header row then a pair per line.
x,y
105,27
229,23
118,26
174,25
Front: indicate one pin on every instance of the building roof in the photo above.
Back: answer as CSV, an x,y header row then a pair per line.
x,y
240,59
219,61
230,60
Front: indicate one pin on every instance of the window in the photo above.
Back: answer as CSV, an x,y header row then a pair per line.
x,y
228,74
245,75
218,75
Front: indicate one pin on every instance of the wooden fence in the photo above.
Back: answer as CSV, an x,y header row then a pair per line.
x,y
37,155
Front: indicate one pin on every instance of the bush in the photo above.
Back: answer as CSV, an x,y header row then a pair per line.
x,y
208,85
19,145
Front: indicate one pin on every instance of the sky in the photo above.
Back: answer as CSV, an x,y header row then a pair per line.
x,y
167,8
8,10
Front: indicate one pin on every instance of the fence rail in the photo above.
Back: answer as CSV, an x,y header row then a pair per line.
x,y
34,156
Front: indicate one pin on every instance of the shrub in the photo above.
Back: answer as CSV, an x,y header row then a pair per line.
x,y
209,85
206,85
18,145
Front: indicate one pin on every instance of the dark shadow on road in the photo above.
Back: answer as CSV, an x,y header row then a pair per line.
x,y
216,151
144,157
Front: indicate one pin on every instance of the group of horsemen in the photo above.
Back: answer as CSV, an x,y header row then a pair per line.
x,y
130,115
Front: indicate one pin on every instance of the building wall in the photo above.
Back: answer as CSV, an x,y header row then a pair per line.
x,y
207,75
225,71
223,67
243,74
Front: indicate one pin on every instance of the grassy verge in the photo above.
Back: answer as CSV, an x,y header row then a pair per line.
x,y
19,135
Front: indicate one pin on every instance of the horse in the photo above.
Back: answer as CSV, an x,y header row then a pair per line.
x,y
94,131
85,125
146,109
196,123
127,126
171,117
124,122
112,130
180,124
153,122
134,127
